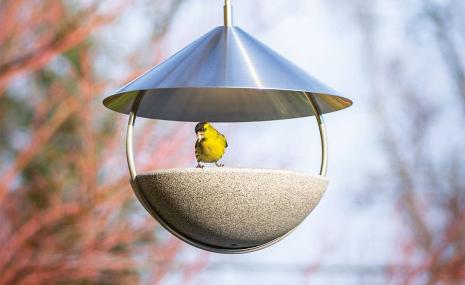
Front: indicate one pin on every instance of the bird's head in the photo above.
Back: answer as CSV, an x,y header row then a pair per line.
x,y
201,128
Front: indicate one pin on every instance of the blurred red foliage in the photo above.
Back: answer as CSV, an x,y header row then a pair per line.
x,y
421,131
67,213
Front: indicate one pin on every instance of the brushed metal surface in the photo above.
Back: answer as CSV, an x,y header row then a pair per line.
x,y
226,76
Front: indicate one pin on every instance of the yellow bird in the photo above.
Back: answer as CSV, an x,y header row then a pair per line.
x,y
210,144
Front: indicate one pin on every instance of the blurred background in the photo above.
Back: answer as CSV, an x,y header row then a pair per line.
x,y
395,209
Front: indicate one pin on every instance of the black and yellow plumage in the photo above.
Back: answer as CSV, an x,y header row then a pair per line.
x,y
210,145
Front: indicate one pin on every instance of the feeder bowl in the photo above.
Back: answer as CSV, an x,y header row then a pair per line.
x,y
227,76
225,208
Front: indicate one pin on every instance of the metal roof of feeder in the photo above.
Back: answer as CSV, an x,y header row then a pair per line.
x,y
226,76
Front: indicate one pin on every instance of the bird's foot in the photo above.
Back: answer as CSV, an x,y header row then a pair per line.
x,y
200,165
219,164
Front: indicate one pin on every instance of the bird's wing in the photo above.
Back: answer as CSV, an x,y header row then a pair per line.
x,y
198,149
225,141
198,145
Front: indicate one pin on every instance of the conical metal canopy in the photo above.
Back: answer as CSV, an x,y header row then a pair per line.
x,y
226,76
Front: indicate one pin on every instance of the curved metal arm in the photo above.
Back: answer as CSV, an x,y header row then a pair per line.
x,y
129,135
316,110
323,135
147,206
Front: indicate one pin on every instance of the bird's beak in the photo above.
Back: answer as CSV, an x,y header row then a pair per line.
x,y
200,135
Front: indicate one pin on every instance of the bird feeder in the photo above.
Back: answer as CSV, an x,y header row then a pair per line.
x,y
227,76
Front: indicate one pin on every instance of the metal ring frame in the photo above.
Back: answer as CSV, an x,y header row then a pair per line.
x,y
146,204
